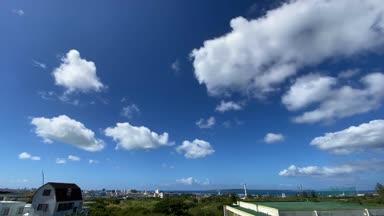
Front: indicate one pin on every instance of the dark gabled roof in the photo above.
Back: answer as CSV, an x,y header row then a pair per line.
x,y
66,191
63,185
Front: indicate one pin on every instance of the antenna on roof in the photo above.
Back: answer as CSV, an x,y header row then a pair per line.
x,y
42,175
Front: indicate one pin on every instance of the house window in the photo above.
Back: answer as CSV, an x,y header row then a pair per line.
x,y
5,211
42,207
65,206
46,192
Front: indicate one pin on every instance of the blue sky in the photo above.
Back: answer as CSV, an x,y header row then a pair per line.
x,y
192,94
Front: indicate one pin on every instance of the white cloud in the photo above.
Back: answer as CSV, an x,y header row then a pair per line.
x,y
73,158
27,156
66,130
186,181
273,137
93,161
192,181
18,12
259,54
346,169
39,64
61,161
335,103
225,106
355,138
308,89
195,149
77,74
130,137
130,110
24,155
204,124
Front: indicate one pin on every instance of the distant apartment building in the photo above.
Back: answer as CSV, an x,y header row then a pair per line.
x,y
242,208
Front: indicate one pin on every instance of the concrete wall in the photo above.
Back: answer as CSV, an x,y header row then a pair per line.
x,y
325,213
259,208
247,205
342,213
229,211
13,207
376,212
268,210
275,212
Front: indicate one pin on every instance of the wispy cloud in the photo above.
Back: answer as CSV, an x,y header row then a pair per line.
x,y
27,156
331,100
167,166
206,123
53,96
175,66
18,12
73,158
226,106
39,64
130,111
61,161
366,136
91,161
273,137
192,181
338,170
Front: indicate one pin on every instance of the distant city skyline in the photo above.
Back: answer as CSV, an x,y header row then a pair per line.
x,y
192,95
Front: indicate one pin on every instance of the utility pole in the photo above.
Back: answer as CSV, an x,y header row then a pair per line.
x,y
42,175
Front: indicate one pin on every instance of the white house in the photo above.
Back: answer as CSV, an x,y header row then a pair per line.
x,y
57,199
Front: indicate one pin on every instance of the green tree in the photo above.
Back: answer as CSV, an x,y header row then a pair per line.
x,y
380,191
173,206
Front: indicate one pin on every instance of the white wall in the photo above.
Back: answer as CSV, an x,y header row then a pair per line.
x,y
13,206
268,210
259,208
247,205
236,211
38,198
